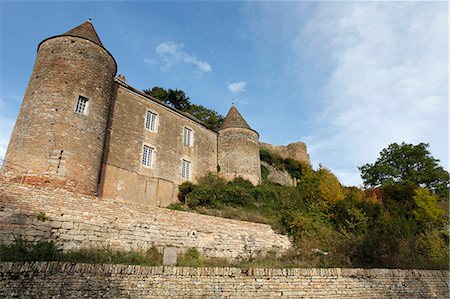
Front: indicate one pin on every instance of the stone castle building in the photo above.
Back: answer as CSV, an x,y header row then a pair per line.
x,y
82,128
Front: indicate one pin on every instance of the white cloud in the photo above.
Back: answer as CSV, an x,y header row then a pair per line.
x,y
389,81
172,53
149,61
237,87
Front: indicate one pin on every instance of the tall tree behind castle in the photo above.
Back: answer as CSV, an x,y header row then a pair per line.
x,y
178,99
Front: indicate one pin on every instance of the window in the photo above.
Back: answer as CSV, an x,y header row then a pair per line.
x,y
185,169
81,105
150,121
147,156
187,136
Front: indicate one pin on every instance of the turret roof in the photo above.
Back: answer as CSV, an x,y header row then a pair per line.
x,y
234,120
87,31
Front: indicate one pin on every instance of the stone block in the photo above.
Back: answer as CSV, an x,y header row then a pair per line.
x,y
170,255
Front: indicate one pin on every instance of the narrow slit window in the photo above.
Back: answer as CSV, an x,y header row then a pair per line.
x,y
150,121
187,136
81,105
147,156
186,168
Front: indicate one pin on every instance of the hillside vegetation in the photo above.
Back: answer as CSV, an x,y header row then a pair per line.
x,y
398,224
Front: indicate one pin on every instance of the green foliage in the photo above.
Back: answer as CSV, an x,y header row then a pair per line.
x,y
176,206
295,168
191,258
426,210
407,163
332,225
271,158
41,216
151,257
209,117
329,187
178,99
173,97
264,174
184,189
21,251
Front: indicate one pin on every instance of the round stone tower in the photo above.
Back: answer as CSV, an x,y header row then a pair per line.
x,y
238,149
60,131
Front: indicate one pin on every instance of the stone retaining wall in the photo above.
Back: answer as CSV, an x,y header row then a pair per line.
x,y
77,221
66,280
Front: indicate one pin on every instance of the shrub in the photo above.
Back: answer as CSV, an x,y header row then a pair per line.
x,y
202,196
176,206
184,189
41,216
191,258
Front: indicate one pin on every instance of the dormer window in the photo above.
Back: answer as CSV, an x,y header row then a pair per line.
x,y
81,105
150,121
187,136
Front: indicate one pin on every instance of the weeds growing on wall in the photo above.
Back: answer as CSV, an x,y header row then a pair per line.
x,y
21,251
395,226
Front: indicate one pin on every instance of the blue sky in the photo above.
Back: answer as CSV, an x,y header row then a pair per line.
x,y
347,78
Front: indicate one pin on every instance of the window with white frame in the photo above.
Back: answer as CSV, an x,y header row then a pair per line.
x,y
187,136
150,121
186,169
147,156
81,105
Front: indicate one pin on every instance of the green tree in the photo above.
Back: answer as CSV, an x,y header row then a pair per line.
x,y
178,99
426,210
211,118
173,97
406,163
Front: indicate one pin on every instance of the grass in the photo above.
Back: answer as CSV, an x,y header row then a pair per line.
x,y
22,251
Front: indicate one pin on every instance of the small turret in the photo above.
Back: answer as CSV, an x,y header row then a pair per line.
x,y
60,131
238,149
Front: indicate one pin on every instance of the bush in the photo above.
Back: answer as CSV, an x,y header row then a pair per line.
x,y
184,189
191,258
202,196
22,251
176,206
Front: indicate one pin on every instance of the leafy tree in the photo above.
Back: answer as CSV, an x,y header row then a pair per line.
x,y
210,117
426,210
330,189
406,163
173,97
178,99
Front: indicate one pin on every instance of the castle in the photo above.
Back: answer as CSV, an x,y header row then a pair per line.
x,y
82,128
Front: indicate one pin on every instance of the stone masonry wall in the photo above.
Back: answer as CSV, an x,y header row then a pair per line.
x,y
79,221
125,177
296,151
56,280
50,139
239,154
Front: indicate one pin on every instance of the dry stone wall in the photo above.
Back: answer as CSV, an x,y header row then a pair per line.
x,y
65,280
78,221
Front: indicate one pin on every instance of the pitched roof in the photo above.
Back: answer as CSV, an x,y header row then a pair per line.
x,y
234,120
87,31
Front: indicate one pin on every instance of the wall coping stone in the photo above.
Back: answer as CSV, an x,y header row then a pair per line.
x,y
114,269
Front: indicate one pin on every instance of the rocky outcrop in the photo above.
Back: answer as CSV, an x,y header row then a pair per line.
x,y
277,176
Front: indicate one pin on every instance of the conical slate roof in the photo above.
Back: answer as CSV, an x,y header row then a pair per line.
x,y
234,120
87,31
